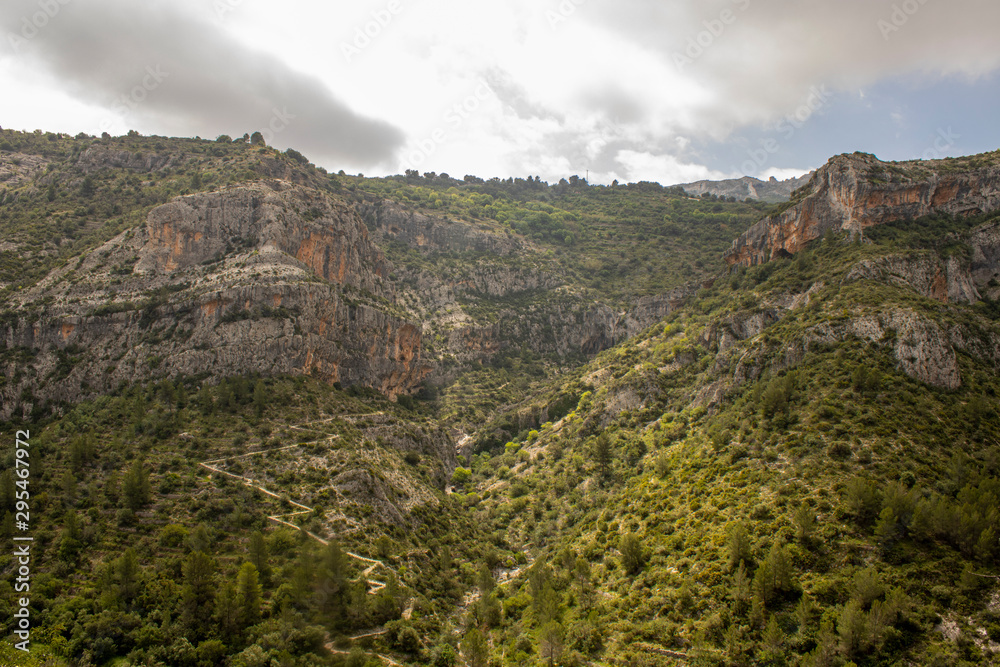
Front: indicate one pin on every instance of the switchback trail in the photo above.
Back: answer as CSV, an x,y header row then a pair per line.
x,y
375,586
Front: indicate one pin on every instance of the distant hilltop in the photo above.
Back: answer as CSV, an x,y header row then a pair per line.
x,y
771,191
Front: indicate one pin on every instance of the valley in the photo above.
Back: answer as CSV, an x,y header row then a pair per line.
x,y
282,416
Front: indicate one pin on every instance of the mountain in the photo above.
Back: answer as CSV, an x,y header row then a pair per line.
x,y
748,187
155,258
282,416
859,191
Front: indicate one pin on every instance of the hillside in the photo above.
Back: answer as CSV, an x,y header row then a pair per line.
x,y
281,416
150,257
771,191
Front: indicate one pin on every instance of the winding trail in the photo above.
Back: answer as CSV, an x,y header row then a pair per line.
x,y
374,586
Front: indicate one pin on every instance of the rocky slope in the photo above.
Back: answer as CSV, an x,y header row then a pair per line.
x,y
267,277
854,192
748,187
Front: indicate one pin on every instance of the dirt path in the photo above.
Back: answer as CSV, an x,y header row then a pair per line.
x,y
375,586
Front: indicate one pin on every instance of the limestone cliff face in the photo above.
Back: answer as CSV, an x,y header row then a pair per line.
x,y
222,283
502,266
390,221
325,236
947,281
854,192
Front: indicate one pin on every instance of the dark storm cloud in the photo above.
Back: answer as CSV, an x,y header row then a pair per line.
x,y
150,64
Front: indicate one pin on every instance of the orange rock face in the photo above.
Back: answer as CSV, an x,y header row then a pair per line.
x,y
855,192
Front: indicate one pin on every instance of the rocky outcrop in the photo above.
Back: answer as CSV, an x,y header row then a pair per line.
x,y
771,190
947,281
985,257
18,168
924,350
226,283
565,328
388,220
99,156
854,192
326,236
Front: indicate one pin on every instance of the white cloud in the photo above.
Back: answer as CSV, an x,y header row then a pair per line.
x,y
666,169
599,89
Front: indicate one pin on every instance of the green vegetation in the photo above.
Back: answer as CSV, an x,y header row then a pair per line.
x,y
778,472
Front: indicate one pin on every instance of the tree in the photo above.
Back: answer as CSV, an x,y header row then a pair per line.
x,y
739,545
986,547
485,580
69,487
258,555
805,523
127,575
551,640
205,400
70,544
632,556
741,590
257,139
602,456
136,486
773,641
887,530
197,592
259,398
87,187
852,627
248,595
475,649
332,582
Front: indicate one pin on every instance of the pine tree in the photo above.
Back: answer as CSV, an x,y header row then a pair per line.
x,y
632,556
805,523
602,456
248,594
127,575
551,639
485,580
741,590
227,611
198,591
69,487
259,398
773,641
475,649
739,545
258,556
205,402
137,492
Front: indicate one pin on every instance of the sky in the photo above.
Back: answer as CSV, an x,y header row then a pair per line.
x,y
627,90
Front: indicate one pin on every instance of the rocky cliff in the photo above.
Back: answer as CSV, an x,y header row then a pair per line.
x,y
268,277
854,192
771,190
